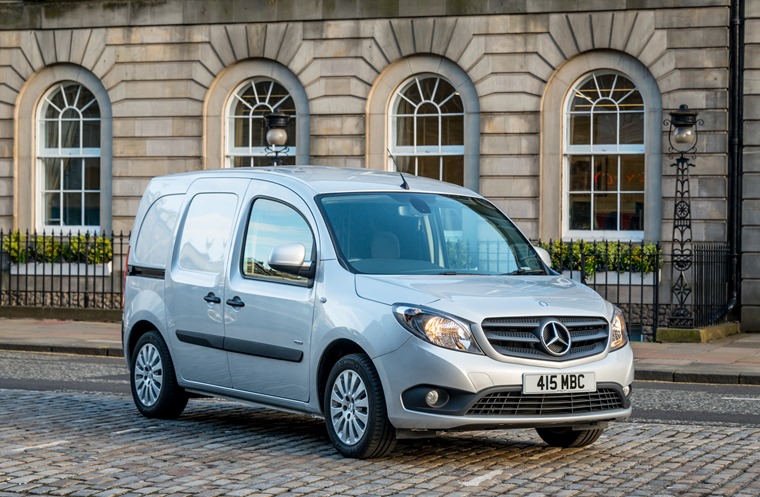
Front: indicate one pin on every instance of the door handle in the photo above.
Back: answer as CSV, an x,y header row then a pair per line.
x,y
235,302
212,299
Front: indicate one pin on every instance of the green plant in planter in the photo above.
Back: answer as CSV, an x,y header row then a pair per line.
x,y
15,246
89,249
603,256
48,248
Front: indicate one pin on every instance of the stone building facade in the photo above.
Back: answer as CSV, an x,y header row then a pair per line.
x,y
552,109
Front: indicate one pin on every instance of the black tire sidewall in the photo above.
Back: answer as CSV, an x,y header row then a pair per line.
x,y
373,443
172,398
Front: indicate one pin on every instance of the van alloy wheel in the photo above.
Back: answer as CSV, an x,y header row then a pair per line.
x,y
349,407
355,412
149,374
153,381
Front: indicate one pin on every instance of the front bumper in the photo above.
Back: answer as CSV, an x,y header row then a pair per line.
x,y
485,393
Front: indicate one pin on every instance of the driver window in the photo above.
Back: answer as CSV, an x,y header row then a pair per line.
x,y
272,223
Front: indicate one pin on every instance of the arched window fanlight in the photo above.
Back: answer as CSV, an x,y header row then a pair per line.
x,y
427,129
246,133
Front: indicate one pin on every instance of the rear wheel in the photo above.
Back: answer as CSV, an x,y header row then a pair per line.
x,y
355,412
566,437
153,380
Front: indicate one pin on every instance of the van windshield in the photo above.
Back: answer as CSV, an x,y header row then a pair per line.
x,y
419,233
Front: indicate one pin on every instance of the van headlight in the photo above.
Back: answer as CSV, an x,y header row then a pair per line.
x,y
437,328
618,331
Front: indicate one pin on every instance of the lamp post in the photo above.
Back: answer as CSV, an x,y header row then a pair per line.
x,y
682,136
277,136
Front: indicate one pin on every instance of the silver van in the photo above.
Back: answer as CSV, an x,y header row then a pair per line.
x,y
393,306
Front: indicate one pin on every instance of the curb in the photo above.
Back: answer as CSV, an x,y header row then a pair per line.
x,y
697,377
65,349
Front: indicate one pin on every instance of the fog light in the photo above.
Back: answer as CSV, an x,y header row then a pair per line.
x,y
626,391
436,398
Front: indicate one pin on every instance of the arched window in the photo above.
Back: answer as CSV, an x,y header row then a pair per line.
x,y
604,157
69,158
427,129
246,130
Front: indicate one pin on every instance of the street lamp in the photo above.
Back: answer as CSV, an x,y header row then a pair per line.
x,y
277,136
682,136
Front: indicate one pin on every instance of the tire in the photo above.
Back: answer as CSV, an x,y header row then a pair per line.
x,y
154,383
355,412
566,437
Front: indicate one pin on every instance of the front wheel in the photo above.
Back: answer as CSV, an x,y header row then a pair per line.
x,y
153,380
355,412
566,437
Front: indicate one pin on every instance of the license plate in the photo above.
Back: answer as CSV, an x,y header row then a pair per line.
x,y
558,383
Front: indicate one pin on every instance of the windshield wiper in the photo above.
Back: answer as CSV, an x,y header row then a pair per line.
x,y
524,270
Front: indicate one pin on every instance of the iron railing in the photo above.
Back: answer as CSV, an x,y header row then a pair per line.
x,y
711,282
71,270
624,273
75,270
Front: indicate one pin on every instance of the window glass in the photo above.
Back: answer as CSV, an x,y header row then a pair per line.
x,y
69,157
247,144
154,243
427,129
206,232
604,155
408,233
270,225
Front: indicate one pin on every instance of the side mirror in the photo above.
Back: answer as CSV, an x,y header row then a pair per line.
x,y
290,258
544,255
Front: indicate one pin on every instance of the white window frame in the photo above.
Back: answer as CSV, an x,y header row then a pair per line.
x,y
231,152
595,150
60,154
415,150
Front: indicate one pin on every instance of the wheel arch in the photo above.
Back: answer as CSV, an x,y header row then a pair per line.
x,y
138,330
332,353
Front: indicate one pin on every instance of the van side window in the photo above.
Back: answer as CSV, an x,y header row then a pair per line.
x,y
206,232
155,237
272,224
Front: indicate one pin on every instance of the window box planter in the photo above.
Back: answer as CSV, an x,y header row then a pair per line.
x,y
613,278
60,269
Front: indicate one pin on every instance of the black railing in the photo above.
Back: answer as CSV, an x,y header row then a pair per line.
x,y
72,270
624,273
711,281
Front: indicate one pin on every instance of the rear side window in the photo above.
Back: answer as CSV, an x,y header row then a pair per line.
x,y
155,237
206,232
272,224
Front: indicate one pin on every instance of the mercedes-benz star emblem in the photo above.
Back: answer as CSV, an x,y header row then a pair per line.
x,y
555,337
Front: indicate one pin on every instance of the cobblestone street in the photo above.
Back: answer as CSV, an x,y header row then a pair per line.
x,y
83,444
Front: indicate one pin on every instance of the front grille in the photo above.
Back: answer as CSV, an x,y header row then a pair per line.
x,y
519,404
520,337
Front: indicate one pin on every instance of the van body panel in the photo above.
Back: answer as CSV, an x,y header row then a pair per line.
x,y
195,279
339,314
268,339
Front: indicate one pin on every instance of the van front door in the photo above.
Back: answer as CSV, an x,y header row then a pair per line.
x,y
195,280
269,313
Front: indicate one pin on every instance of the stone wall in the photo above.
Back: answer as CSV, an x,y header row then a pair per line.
x,y
750,248
160,61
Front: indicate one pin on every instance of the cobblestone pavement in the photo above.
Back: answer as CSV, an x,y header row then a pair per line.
x,y
96,444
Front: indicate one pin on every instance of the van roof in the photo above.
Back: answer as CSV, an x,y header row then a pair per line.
x,y
325,179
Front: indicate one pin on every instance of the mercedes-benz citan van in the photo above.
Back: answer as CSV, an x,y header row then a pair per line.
x,y
393,306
